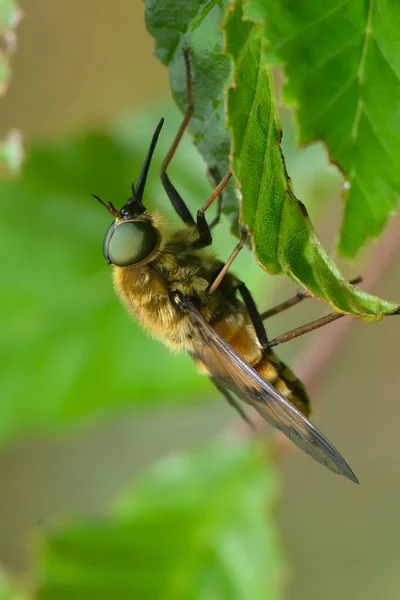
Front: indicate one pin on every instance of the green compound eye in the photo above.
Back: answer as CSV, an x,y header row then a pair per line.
x,y
130,243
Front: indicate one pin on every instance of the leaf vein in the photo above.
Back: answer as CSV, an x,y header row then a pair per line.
x,y
332,101
312,24
360,72
249,119
385,59
323,62
386,151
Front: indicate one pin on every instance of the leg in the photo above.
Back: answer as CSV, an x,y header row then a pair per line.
x,y
231,400
217,217
290,335
176,200
202,225
228,263
301,294
213,171
254,315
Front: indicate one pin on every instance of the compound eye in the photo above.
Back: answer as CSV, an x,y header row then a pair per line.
x,y
106,242
130,242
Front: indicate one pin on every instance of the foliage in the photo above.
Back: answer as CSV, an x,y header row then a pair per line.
x,y
342,61
8,591
283,237
195,527
10,148
9,18
175,24
11,154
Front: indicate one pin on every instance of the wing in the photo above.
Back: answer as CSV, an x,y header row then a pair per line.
x,y
229,370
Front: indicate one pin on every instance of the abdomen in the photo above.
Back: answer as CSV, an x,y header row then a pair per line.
x,y
267,364
271,368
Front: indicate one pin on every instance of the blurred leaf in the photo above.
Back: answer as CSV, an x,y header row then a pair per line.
x,y
10,16
8,591
10,149
284,240
11,153
176,24
342,61
197,527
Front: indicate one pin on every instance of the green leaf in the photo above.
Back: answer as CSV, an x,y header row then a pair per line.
x,y
197,527
10,16
284,240
8,591
342,61
10,148
283,237
11,154
176,24
205,12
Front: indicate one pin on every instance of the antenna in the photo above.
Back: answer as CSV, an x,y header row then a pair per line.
x,y
138,195
110,207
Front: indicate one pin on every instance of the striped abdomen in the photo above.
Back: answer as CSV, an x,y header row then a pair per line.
x,y
284,380
266,363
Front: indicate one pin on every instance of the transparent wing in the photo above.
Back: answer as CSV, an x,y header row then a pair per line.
x,y
232,372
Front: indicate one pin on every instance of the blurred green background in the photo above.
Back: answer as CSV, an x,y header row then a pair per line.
x,y
88,68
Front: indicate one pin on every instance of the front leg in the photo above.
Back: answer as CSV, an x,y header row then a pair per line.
x,y
176,200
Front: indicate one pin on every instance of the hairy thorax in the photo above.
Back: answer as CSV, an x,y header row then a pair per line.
x,y
148,300
147,293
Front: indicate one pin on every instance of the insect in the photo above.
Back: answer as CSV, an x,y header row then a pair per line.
x,y
190,300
